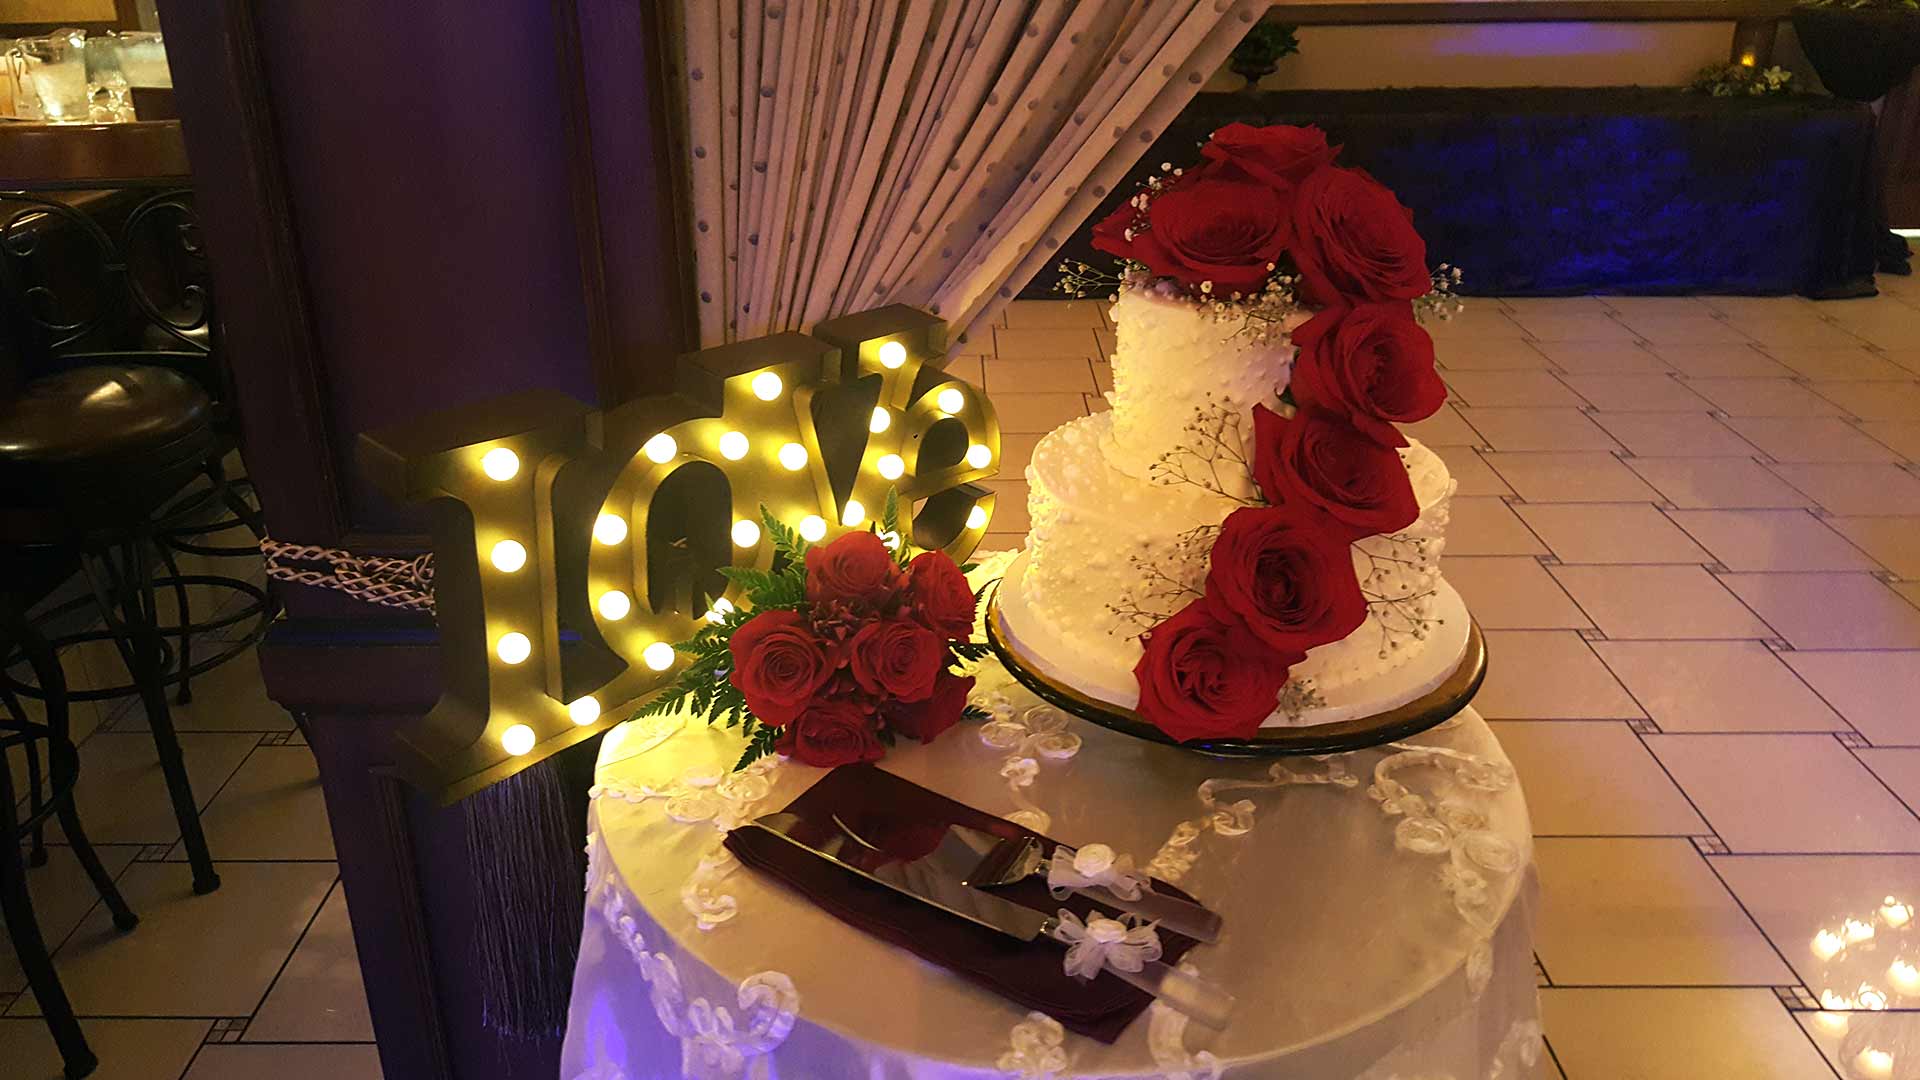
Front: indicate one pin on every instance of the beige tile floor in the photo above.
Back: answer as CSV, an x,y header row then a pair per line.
x,y
1691,530
258,979
1690,527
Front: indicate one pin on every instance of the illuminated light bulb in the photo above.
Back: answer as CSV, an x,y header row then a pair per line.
x,y
882,420
1904,977
891,466
1872,999
1854,930
722,608
745,533
813,528
609,529
891,539
660,449
950,400
793,457
1827,944
733,446
614,605
508,556
517,739
977,518
584,710
979,455
854,514
513,648
658,656
500,463
893,354
1874,1063
1894,913
767,386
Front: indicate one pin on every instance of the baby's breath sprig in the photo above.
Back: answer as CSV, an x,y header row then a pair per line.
x,y
1081,280
1441,302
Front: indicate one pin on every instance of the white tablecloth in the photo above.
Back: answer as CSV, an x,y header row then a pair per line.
x,y
1377,911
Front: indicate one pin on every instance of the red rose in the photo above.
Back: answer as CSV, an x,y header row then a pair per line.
x,y
1280,572
1279,156
1318,458
1372,364
1353,239
856,569
1201,678
830,733
1209,225
940,597
778,663
925,720
897,658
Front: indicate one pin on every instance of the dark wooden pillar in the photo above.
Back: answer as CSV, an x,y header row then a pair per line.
x,y
409,206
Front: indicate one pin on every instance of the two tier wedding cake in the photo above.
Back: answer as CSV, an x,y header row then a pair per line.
x,y
1246,538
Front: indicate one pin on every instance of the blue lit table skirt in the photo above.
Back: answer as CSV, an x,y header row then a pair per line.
x,y
1545,192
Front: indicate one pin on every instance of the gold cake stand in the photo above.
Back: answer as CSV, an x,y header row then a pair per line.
x,y
1410,719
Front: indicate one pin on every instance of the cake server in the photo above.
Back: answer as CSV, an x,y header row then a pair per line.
x,y
1004,861
938,880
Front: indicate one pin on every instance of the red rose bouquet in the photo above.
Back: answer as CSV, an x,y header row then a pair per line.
x,y
839,650
1267,232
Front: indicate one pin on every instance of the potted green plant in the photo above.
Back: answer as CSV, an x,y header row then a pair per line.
x,y
1861,48
1259,53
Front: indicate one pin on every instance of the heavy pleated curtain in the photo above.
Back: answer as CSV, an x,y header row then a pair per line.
x,y
854,153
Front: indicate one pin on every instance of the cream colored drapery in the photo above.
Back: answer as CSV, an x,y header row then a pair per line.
x,y
845,154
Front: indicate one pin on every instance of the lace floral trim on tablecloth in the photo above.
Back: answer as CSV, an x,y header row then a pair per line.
x,y
1177,856
1038,734
1038,1050
726,801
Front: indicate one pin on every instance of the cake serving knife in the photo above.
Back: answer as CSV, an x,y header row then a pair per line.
x,y
938,880
1004,861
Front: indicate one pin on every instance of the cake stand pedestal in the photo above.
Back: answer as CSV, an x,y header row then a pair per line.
x,y
1377,908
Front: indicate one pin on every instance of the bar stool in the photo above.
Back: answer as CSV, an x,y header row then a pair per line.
x,y
51,798
93,458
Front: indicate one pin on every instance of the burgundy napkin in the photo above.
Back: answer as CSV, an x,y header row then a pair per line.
x,y
905,820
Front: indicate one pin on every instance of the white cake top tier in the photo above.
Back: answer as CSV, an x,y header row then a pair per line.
x,y
1171,357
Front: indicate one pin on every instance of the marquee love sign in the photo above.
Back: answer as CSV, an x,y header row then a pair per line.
x,y
572,548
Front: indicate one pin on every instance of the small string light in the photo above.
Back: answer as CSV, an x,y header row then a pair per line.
x,y
892,355
793,457
950,400
508,556
891,466
733,446
660,449
767,386
977,517
813,528
609,529
658,656
584,710
854,514
614,605
500,463
517,739
513,648
882,420
722,608
745,533
979,455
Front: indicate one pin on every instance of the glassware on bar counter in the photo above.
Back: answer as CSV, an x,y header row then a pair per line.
x,y
54,75
106,82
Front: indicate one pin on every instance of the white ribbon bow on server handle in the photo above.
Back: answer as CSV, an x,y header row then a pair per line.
x,y
1101,943
1095,865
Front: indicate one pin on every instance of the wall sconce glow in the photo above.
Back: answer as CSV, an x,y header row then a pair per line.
x,y
745,533
614,605
950,401
1874,1063
979,455
1833,1023
1894,913
658,656
513,648
609,529
766,386
977,518
660,449
500,463
517,739
793,457
1904,977
891,466
882,420
585,710
508,556
1827,944
854,514
813,528
892,355
733,445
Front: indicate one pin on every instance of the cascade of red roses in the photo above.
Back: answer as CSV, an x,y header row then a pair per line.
x,y
1268,210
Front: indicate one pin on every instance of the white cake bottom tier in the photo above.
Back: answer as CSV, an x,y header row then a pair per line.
x,y
1109,554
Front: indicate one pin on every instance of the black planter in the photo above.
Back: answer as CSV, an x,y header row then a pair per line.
x,y
1860,53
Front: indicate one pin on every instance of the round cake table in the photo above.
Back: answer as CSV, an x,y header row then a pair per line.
x,y
1377,908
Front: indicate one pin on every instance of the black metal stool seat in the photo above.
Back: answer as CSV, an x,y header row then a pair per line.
x,y
94,458
48,798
